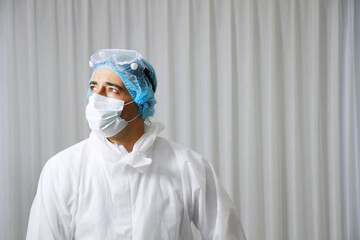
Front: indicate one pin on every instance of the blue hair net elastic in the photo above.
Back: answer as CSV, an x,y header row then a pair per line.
x,y
136,73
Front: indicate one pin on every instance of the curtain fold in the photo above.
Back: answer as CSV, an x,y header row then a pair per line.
x,y
268,91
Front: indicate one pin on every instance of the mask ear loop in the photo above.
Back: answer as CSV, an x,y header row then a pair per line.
x,y
128,103
137,115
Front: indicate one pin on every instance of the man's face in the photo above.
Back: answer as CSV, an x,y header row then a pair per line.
x,y
108,84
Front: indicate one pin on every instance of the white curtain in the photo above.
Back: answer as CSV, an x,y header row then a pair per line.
x,y
268,91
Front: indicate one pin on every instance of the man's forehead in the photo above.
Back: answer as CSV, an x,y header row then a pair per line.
x,y
106,75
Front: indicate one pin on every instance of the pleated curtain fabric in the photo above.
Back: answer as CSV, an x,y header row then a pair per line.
x,y
268,91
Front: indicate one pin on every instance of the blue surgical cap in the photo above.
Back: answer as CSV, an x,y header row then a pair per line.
x,y
136,73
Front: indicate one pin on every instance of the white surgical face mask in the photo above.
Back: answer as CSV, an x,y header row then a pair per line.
x,y
103,115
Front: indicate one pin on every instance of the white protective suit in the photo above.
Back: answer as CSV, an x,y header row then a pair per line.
x,y
96,190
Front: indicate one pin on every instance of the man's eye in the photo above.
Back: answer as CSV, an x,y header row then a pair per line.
x,y
113,90
93,88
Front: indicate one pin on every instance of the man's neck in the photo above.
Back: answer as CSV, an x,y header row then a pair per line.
x,y
129,135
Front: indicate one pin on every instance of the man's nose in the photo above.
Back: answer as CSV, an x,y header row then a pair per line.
x,y
101,91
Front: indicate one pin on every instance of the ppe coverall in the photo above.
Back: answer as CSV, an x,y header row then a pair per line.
x,y
96,190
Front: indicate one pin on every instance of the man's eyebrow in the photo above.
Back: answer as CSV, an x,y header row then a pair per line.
x,y
93,83
114,85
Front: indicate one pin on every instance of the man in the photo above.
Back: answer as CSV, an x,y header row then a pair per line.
x,y
124,181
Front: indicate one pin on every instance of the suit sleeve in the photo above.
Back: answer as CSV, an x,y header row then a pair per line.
x,y
49,217
212,210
